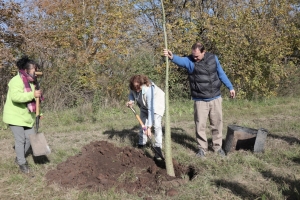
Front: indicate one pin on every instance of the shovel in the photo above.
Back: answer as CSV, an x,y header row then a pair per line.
x,y
142,124
38,141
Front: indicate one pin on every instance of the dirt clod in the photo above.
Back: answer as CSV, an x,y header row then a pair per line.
x,y
172,192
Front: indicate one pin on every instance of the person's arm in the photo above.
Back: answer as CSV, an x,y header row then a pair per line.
x,y
131,99
184,62
16,91
223,77
130,96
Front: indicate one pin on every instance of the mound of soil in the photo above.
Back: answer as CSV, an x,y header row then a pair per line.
x,y
102,166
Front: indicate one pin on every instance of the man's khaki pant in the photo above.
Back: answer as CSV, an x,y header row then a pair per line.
x,y
213,110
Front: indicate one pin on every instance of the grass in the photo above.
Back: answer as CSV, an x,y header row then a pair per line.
x,y
274,174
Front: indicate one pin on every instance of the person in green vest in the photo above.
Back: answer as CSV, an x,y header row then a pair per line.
x,y
19,109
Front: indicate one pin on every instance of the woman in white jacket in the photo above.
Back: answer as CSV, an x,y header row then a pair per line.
x,y
151,101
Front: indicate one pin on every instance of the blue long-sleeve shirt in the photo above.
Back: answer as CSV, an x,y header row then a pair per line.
x,y
188,64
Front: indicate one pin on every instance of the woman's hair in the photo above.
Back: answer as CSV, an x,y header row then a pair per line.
x,y
25,62
141,79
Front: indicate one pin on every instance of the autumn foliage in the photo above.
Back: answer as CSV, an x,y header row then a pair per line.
x,y
90,48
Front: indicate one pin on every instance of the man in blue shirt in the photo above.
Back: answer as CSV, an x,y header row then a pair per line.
x,y
206,77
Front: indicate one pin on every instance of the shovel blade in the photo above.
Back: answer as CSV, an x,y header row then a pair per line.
x,y
39,144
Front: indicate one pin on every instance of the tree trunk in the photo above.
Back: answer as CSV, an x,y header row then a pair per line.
x,y
168,148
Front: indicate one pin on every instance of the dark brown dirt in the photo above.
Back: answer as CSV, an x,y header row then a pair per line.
x,y
102,166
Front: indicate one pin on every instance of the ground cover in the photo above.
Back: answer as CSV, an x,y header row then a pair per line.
x,y
77,138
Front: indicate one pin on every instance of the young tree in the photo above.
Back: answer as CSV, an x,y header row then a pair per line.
x,y
168,147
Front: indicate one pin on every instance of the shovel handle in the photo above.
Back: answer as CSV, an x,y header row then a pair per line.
x,y
37,110
139,119
137,116
38,73
37,100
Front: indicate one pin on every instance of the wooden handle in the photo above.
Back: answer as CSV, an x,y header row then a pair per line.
x,y
139,119
137,116
38,73
37,110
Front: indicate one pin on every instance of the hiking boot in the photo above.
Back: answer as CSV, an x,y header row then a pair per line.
x,y
158,153
220,152
201,153
24,168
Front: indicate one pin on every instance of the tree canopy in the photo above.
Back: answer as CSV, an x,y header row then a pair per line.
x,y
91,47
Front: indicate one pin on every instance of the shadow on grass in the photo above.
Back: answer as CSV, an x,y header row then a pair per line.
x,y
131,134
180,136
290,188
237,189
40,159
290,140
296,160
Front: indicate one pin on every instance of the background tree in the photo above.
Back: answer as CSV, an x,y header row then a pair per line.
x,y
91,48
77,43
10,40
252,41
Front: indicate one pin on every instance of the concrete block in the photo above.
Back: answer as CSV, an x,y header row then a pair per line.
x,y
239,137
